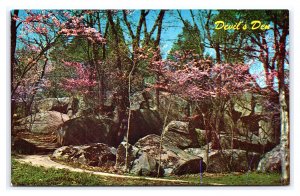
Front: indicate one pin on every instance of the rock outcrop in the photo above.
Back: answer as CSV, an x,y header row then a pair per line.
x,y
61,105
133,153
243,143
43,122
232,161
22,146
97,155
145,165
271,161
181,109
181,135
173,159
86,130
227,160
144,122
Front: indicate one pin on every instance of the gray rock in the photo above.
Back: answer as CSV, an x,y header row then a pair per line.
x,y
180,108
83,108
203,136
133,153
244,143
257,118
180,135
96,154
145,165
199,152
142,100
271,161
52,104
43,122
144,122
232,161
22,146
139,163
86,130
173,159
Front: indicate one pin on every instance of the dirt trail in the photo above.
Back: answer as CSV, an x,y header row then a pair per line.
x,y
45,161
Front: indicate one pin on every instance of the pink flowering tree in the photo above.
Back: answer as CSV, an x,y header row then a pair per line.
x,y
34,34
84,75
75,26
212,87
81,81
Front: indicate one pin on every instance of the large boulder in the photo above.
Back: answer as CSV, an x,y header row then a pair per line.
x,y
255,116
226,160
97,155
200,152
181,135
74,107
203,137
145,165
245,143
43,122
133,153
144,122
139,163
22,146
142,99
232,161
173,159
85,130
271,161
180,108
82,109
53,104
92,129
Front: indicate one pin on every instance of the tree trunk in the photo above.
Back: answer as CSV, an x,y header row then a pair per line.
x,y
156,45
129,117
13,42
218,54
162,138
13,39
207,136
284,139
284,116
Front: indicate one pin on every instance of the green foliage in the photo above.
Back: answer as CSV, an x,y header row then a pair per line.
x,y
188,40
231,40
111,46
234,43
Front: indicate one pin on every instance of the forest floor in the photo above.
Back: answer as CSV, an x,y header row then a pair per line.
x,y
40,170
45,142
46,162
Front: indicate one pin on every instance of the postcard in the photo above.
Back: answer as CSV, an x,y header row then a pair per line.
x,y
150,97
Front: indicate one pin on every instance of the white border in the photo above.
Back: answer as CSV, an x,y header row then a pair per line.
x,y
6,5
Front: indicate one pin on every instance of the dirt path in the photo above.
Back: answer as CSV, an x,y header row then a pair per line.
x,y
45,161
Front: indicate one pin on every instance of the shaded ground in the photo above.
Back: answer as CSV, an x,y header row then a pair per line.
x,y
27,171
38,169
46,162
43,141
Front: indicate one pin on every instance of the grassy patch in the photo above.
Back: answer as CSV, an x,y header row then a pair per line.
x,y
236,179
28,175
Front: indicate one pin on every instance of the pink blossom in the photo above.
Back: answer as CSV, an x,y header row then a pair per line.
x,y
82,80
